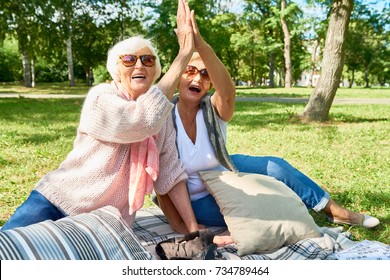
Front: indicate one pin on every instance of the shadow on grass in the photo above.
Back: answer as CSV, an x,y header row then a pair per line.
x,y
274,94
39,120
372,200
2,222
248,115
347,118
45,88
38,138
8,91
38,110
260,114
252,115
369,199
3,162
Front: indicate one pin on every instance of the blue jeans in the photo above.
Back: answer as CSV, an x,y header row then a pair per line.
x,y
313,196
34,210
207,212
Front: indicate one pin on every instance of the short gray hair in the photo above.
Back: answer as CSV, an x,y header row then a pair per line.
x,y
130,46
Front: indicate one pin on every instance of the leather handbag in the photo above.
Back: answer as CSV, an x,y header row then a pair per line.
x,y
197,245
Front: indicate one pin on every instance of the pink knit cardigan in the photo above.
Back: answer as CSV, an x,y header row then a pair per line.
x,y
96,172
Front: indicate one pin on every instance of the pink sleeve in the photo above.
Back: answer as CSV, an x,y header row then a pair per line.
x,y
108,117
171,168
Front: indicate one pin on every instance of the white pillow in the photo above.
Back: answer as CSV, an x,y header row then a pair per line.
x,y
262,213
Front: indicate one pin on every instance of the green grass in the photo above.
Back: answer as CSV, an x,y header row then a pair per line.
x,y
348,156
35,136
44,88
304,92
301,92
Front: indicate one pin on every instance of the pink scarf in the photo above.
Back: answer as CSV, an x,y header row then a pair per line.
x,y
144,165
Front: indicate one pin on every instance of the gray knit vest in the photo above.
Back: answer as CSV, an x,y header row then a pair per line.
x,y
213,130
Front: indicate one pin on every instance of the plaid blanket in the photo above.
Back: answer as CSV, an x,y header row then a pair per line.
x,y
151,227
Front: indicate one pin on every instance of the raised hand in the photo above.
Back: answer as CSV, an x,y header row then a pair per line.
x,y
168,83
184,30
198,39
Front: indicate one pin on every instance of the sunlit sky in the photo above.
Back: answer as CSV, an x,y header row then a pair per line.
x,y
237,6
375,4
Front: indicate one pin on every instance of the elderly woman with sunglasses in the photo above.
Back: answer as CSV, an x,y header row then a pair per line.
x,y
125,143
201,121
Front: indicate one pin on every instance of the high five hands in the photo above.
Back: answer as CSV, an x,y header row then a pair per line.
x,y
184,30
187,29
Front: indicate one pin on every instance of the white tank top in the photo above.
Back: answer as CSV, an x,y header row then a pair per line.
x,y
198,156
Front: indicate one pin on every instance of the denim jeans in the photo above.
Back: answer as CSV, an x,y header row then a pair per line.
x,y
34,210
313,196
207,212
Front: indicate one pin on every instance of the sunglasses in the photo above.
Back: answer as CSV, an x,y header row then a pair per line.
x,y
192,71
130,60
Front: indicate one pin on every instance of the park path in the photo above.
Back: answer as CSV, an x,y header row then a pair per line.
x,y
238,98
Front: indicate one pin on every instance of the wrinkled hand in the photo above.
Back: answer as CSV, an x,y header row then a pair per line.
x,y
184,28
197,227
198,39
223,240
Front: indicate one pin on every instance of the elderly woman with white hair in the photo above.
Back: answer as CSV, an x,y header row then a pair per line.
x,y
125,142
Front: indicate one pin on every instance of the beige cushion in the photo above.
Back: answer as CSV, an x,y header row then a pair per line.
x,y
262,213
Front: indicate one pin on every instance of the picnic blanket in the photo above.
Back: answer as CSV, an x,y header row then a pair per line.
x,y
151,227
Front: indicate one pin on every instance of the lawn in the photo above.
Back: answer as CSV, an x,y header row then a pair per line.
x,y
44,88
304,92
348,156
301,92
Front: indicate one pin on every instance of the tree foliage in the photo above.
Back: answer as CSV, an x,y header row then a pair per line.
x,y
249,41
367,45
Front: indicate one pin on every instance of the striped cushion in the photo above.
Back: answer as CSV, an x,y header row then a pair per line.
x,y
99,235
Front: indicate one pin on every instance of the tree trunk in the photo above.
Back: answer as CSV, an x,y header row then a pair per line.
x,y
279,79
271,70
253,79
69,55
352,80
366,77
89,76
287,46
33,73
320,101
26,69
313,63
